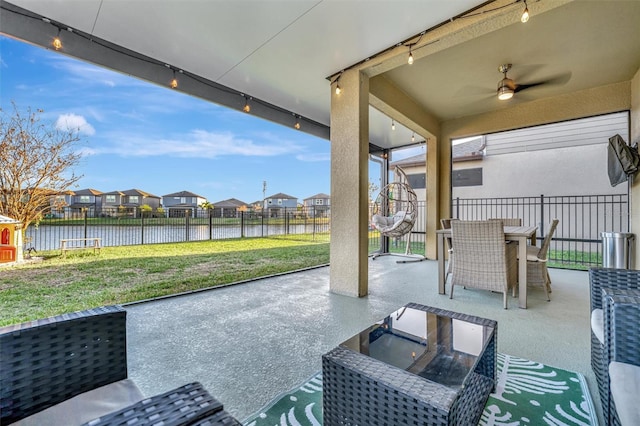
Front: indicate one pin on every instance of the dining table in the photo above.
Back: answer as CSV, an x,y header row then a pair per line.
x,y
519,234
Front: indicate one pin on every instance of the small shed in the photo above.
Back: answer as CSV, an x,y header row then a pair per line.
x,y
10,240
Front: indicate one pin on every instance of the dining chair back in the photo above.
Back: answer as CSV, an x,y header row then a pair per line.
x,y
483,260
537,272
446,224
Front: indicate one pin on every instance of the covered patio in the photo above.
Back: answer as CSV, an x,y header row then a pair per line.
x,y
248,343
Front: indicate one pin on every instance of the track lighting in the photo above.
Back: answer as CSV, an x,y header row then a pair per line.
x,y
246,107
393,125
337,81
525,15
174,82
57,43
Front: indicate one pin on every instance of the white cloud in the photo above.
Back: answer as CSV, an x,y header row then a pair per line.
x,y
315,157
196,144
74,122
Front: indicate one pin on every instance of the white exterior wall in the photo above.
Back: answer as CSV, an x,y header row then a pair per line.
x,y
567,158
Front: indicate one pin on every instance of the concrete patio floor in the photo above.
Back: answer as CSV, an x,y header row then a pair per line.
x,y
249,342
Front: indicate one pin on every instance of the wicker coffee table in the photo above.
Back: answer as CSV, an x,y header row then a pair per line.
x,y
418,366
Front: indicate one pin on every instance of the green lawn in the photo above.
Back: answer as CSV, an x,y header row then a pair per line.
x,y
132,273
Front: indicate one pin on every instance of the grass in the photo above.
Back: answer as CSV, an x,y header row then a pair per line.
x,y
131,273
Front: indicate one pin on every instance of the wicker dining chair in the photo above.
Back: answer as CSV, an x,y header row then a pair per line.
x,y
446,224
537,272
483,260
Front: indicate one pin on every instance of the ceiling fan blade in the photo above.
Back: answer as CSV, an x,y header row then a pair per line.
x,y
559,79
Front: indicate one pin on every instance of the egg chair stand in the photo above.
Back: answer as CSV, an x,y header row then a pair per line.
x,y
394,215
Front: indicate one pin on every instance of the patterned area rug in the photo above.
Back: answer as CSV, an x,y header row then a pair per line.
x,y
527,393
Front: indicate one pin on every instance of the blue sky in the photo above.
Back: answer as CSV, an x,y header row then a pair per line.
x,y
139,135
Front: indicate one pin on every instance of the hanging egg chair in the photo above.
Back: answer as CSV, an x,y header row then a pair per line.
x,y
395,208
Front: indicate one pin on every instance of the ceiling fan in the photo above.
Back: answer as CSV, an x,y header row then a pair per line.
x,y
507,87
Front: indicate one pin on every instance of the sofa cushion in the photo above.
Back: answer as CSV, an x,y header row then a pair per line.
x,y
597,324
625,390
87,406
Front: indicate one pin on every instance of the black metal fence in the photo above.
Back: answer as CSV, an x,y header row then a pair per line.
x,y
577,241
129,228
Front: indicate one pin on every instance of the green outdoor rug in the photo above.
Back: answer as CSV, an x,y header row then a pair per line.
x,y
527,393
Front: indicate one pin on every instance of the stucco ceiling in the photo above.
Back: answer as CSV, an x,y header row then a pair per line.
x,y
282,51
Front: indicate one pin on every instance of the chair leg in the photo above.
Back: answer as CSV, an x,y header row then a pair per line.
x,y
548,282
504,298
451,291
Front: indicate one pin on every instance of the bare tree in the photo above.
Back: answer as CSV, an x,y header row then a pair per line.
x,y
36,161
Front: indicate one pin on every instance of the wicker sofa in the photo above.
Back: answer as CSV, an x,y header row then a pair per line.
x,y
72,369
615,342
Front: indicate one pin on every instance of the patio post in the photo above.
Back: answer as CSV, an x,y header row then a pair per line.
x,y
349,183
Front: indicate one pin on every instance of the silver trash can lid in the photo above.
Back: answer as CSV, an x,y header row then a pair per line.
x,y
628,235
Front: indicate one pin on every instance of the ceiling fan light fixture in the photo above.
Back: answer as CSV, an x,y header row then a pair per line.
x,y
504,91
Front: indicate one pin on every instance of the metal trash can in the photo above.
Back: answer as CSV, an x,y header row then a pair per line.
x,y
617,249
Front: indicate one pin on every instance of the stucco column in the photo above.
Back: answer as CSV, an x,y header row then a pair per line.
x,y
349,177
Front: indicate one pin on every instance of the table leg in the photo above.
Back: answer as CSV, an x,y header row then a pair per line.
x,y
522,272
440,240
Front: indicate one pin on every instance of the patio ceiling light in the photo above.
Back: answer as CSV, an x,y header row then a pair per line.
x,y
57,43
525,14
337,81
297,125
246,107
504,91
393,124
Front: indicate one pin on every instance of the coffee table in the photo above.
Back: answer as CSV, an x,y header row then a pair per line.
x,y
418,366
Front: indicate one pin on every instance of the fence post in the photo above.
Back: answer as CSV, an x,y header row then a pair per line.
x,y
314,222
286,221
187,217
241,224
210,223
457,207
541,215
86,223
141,227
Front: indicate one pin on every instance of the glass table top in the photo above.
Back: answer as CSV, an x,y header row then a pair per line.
x,y
438,348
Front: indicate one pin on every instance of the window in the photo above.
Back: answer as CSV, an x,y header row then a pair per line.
x,y
270,201
110,198
85,198
319,202
134,199
279,201
467,177
183,200
417,181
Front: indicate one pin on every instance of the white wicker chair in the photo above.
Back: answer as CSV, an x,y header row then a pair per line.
x,y
537,272
483,259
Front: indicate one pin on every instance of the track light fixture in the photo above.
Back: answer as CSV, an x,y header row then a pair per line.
x,y
174,82
337,81
525,14
246,107
393,125
57,43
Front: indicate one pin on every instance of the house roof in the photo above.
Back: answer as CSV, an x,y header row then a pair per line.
x,y
88,191
183,194
230,203
139,192
283,196
114,193
470,150
319,195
